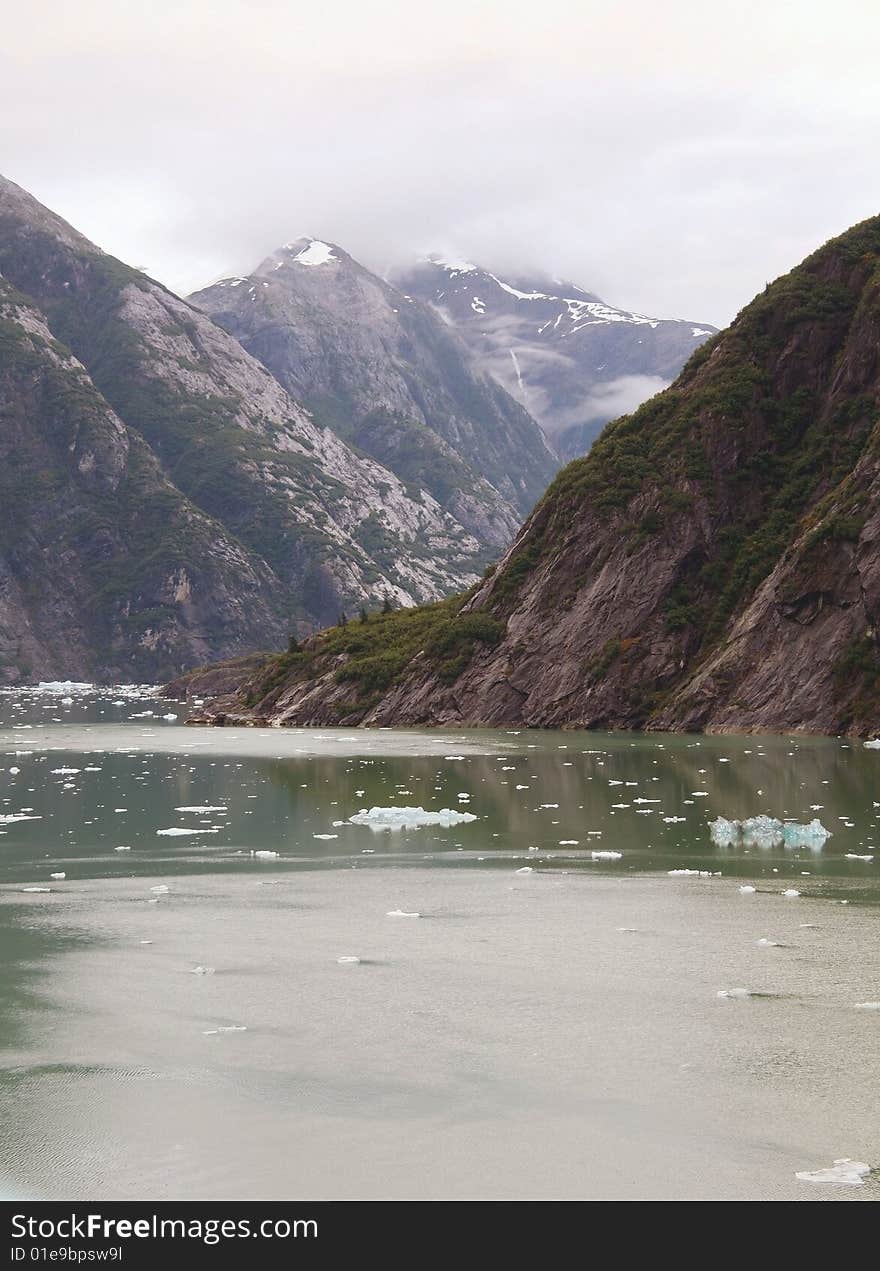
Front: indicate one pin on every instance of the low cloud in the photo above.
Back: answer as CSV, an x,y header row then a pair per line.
x,y
613,398
670,157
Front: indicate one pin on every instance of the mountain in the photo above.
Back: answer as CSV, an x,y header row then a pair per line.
x,y
103,562
572,360
272,522
393,379
712,564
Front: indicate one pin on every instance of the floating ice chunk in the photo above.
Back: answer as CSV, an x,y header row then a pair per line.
x,y
160,887
408,818
176,831
60,875
202,970
566,843
203,807
265,855
13,772
64,772
768,944
674,820
63,686
36,889
844,1173
7,818
224,1028
734,993
694,873
526,869
348,959
747,889
873,744
867,1006
606,856
767,831
325,836
791,892
122,849
402,913
169,717
854,856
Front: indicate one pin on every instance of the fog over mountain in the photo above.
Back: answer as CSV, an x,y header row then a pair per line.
x,y
627,155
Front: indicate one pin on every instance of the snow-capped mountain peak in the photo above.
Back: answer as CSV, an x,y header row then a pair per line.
x,y
572,359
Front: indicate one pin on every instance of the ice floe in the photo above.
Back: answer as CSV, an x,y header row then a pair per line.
x,y
844,1173
402,913
767,831
694,873
176,831
392,818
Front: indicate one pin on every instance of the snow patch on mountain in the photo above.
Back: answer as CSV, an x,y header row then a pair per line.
x,y
317,253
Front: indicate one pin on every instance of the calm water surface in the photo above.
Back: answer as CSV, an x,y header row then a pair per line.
x,y
548,1033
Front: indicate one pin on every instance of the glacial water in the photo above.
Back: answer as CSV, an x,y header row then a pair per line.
x,y
595,999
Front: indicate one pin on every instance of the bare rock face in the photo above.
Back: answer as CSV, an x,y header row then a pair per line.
x,y
573,361
105,567
712,564
390,376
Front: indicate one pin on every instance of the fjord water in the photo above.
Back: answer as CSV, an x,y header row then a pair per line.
x,y
177,1023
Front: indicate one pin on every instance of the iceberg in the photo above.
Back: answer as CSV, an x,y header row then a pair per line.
x,y
176,831
845,1172
408,818
767,831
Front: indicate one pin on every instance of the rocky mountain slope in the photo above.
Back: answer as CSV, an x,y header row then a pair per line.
x,y
103,563
392,378
713,563
573,361
276,523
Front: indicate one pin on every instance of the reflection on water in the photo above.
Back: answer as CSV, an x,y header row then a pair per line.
x,y
444,1021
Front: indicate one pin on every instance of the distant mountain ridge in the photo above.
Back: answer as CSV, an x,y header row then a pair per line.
x,y
392,378
572,360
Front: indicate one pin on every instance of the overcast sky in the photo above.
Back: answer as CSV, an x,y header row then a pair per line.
x,y
672,155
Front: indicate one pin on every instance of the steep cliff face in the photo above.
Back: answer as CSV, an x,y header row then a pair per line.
x,y
105,567
574,361
391,377
321,526
713,563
